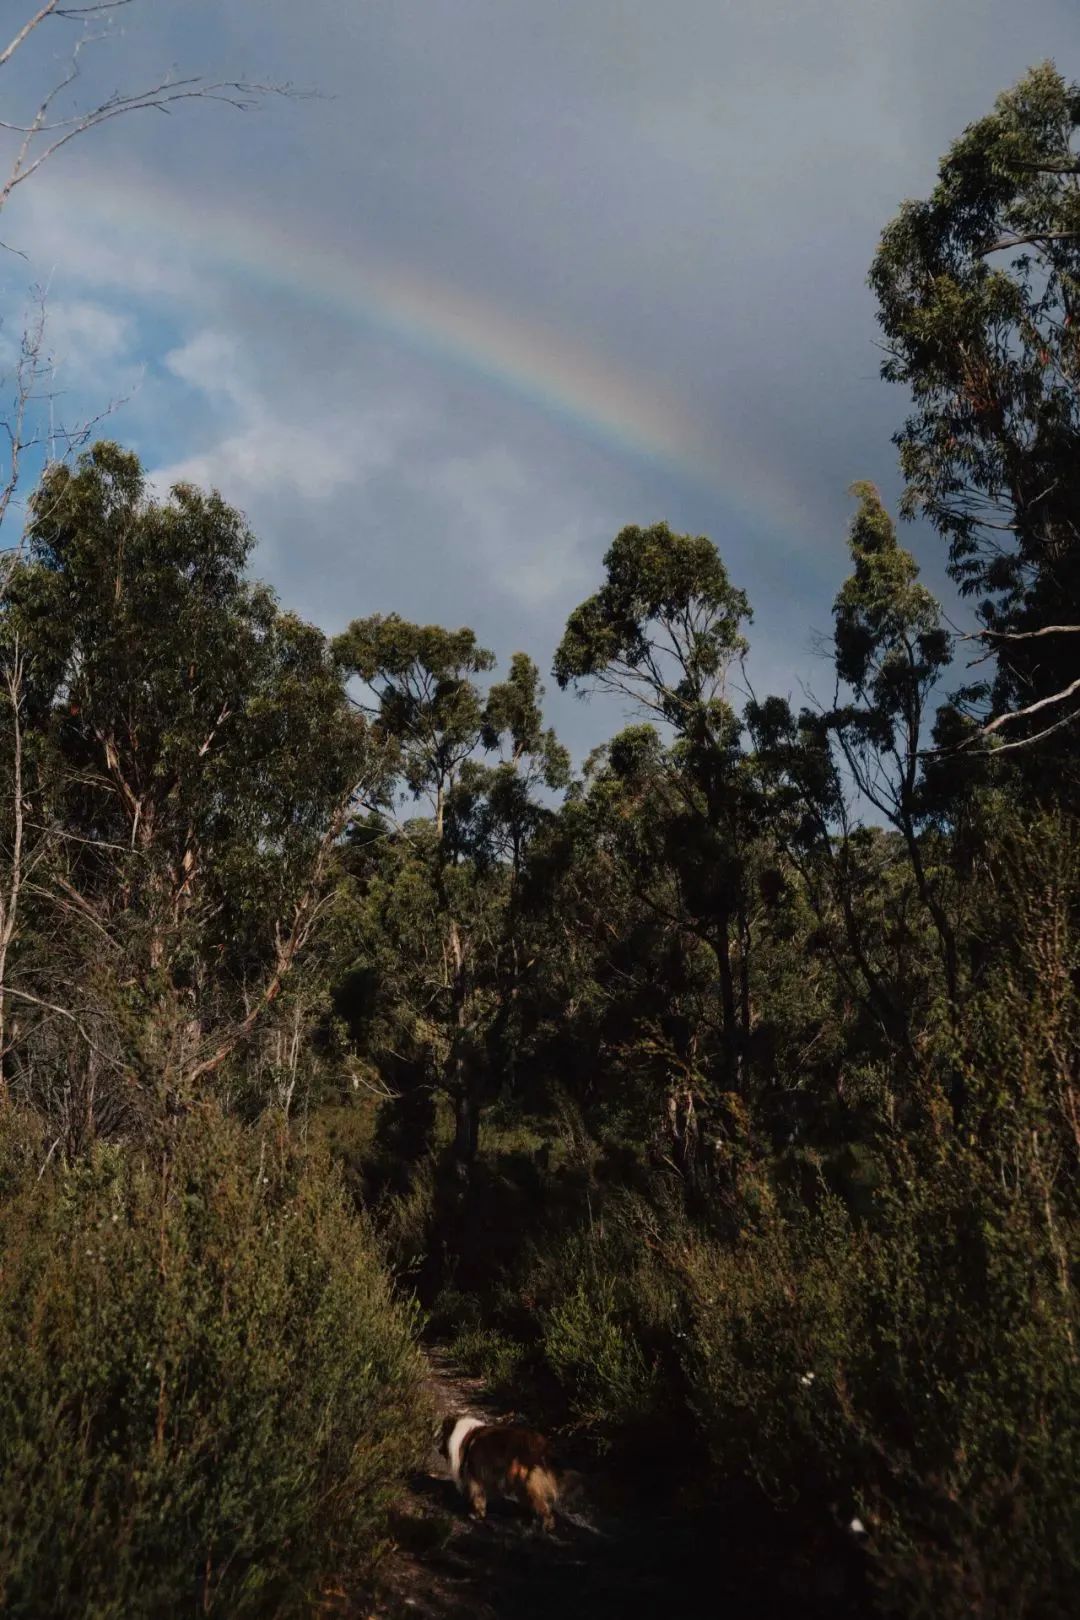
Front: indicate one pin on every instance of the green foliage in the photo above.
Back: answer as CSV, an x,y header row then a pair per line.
x,y
922,1371
663,631
436,905
205,729
977,289
890,643
590,1346
665,597
188,750
208,1392
488,1354
513,711
426,704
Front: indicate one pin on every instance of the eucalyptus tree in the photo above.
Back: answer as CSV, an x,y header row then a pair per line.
x,y
422,697
624,1013
892,649
439,891
664,631
191,758
836,863
979,297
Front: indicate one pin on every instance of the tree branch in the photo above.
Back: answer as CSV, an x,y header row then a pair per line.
x,y
64,1012
1046,168
304,917
1032,708
1023,635
1033,240
24,33
160,97
1027,742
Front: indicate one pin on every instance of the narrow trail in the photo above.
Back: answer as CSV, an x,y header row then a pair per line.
x,y
445,1566
615,1558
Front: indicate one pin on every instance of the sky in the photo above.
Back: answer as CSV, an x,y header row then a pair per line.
x,y
514,274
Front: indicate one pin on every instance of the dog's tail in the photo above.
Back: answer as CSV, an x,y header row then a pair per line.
x,y
542,1489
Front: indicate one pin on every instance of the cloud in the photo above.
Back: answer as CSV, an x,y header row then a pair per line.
x,y
80,335
694,190
269,448
84,334
51,220
529,543
265,459
211,361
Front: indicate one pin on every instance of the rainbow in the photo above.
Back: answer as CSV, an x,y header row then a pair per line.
x,y
573,383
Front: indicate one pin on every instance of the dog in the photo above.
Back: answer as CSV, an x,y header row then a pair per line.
x,y
500,1460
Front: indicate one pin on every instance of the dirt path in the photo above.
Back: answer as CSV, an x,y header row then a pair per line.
x,y
446,1567
615,1559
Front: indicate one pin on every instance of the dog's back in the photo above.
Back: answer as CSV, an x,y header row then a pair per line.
x,y
503,1459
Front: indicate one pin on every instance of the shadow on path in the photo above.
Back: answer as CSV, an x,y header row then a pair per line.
x,y
615,1559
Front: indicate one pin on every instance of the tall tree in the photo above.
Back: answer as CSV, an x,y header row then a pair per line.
x,y
663,631
891,650
979,297
422,697
194,753
444,891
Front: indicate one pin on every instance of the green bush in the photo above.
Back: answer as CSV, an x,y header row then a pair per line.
x,y
488,1354
607,1315
208,1393
943,1389
592,1348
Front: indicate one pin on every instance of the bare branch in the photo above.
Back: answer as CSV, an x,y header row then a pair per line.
x,y
236,93
92,10
1034,240
1023,635
48,1156
1027,742
43,136
65,1012
1033,708
1008,718
24,33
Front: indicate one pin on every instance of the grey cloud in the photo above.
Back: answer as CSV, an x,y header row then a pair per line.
x,y
692,189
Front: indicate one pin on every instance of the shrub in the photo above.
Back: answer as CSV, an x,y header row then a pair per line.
x,y
943,1386
208,1393
607,1314
488,1354
591,1347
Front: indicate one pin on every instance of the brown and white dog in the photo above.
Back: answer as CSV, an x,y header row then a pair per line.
x,y
500,1460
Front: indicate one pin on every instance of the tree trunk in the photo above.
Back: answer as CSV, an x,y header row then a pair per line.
x,y
946,937
744,995
463,1084
722,949
466,1132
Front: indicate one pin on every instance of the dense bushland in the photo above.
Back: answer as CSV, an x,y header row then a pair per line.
x,y
891,1334
208,1391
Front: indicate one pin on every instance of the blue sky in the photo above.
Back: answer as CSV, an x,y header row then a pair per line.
x,y
684,197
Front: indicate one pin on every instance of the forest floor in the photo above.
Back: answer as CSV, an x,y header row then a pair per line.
x,y
623,1552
